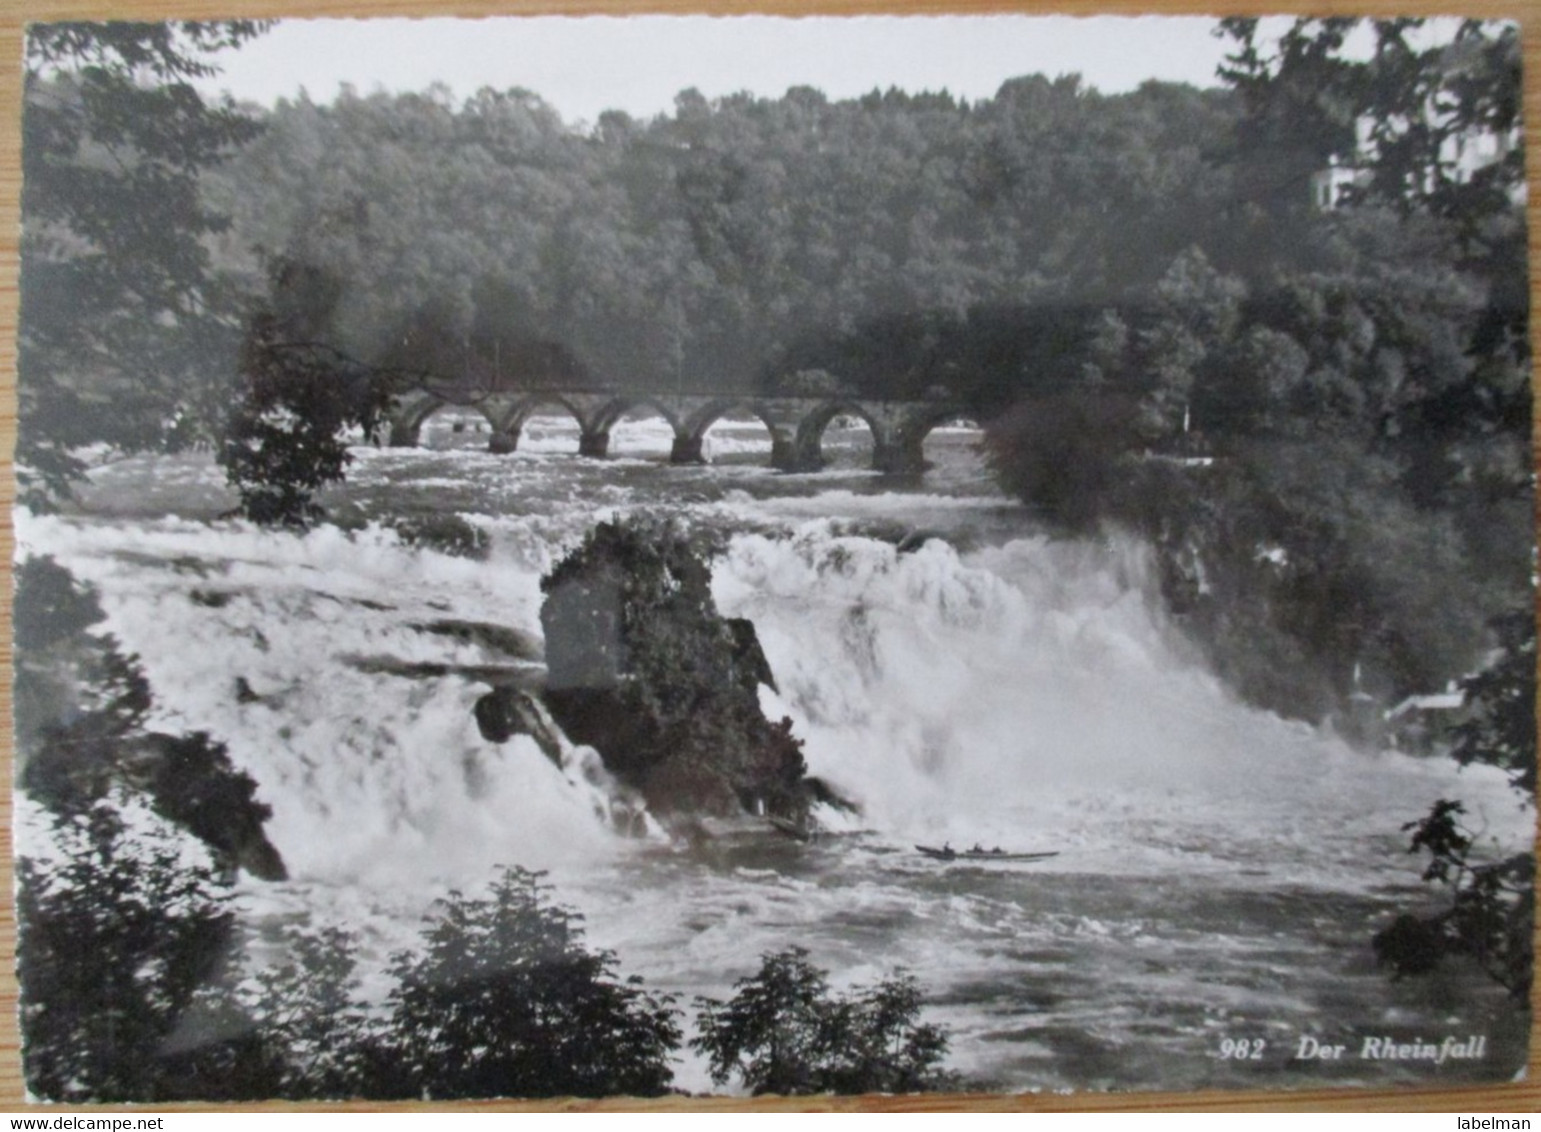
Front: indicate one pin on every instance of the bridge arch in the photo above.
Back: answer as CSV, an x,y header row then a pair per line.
x,y
690,435
742,436
611,414
808,449
908,455
520,411
406,425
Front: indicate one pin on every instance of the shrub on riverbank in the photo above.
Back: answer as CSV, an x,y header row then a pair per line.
x,y
785,1032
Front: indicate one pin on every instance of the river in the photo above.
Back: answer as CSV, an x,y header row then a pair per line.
x,y
951,668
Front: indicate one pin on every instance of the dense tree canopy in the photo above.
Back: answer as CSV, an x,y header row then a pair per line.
x,y
1348,385
115,940
727,244
126,334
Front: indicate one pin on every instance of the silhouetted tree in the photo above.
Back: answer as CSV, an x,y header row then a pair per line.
x,y
116,935
505,1000
125,335
1492,909
287,437
785,1032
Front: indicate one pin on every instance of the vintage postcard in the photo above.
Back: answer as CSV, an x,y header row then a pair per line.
x,y
754,556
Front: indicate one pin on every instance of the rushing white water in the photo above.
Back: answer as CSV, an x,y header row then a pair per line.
x,y
1219,868
1033,692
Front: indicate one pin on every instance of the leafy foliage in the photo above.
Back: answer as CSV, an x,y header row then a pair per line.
x,y
1492,902
1065,455
220,1051
136,989
125,332
1492,910
722,246
1426,339
505,1001
784,1032
286,440
1501,730
312,1023
1401,114
115,940
1328,441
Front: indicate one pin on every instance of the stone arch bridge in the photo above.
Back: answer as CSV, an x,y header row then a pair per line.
x,y
796,424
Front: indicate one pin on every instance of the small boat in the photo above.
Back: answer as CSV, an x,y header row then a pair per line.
x,y
948,853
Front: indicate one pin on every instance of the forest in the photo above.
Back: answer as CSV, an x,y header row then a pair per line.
x,y
1097,277
1315,409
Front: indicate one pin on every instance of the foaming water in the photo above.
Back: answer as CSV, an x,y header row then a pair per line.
x,y
1034,693
313,659
1218,867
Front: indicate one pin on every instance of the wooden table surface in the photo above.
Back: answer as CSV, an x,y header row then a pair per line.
x,y
1523,1096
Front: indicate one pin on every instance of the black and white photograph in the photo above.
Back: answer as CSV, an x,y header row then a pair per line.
x,y
646,556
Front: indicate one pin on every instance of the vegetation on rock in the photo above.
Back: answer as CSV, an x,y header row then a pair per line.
x,y
642,667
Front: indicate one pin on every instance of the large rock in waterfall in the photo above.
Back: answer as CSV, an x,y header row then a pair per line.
x,y
643,668
191,781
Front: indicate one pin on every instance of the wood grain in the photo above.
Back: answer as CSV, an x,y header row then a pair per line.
x,y
1522,1096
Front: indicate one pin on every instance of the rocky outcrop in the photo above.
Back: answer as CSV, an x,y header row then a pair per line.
x,y
498,639
191,782
642,667
507,711
81,707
